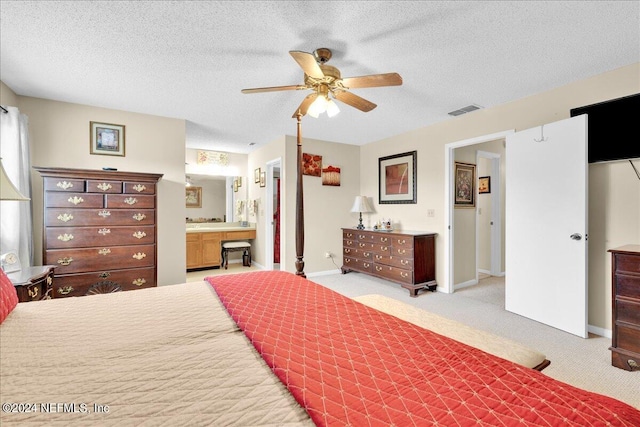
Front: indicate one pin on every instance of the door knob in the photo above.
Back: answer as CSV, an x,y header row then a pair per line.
x,y
576,236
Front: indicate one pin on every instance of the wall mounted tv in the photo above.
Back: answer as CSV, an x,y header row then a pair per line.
x,y
613,128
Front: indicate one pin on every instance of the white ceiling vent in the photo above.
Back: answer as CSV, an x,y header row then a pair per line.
x,y
464,110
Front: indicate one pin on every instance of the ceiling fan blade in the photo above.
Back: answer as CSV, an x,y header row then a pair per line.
x,y
373,80
354,100
304,106
308,63
274,88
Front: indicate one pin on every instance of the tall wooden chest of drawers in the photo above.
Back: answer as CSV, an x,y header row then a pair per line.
x,y
405,257
99,230
625,294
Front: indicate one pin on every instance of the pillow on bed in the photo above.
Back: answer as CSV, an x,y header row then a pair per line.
x,y
8,296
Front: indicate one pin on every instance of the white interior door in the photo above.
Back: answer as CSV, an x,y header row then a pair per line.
x,y
546,224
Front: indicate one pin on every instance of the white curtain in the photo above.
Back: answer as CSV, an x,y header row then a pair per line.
x,y
16,233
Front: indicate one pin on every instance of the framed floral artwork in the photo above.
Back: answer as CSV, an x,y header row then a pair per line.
x,y
106,139
194,197
465,191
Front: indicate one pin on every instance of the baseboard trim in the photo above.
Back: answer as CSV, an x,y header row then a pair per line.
x,y
607,333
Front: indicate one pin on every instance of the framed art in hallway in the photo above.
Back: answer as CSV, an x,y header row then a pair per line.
x,y
465,191
106,139
484,185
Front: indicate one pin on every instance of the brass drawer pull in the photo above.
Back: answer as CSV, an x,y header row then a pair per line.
x,y
64,185
366,254
383,240
139,255
366,265
349,235
139,216
139,188
403,274
104,213
378,268
401,242
104,186
385,248
104,251
404,262
65,217
378,257
347,250
401,251
65,290
65,237
347,260
139,234
65,261
361,237
131,200
139,282
75,200
33,291
362,245
49,280
104,231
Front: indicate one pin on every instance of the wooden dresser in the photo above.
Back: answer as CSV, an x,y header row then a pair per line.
x,y
405,257
625,294
99,230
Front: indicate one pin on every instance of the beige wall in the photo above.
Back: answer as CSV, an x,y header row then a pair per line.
x,y
59,137
326,208
7,97
614,197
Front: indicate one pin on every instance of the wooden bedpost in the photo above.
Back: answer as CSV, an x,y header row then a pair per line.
x,y
299,207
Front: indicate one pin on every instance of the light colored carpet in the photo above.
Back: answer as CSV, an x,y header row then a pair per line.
x,y
584,363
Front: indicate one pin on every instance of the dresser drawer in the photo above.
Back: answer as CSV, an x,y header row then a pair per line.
x,y
73,200
357,253
394,261
34,291
627,286
357,264
94,186
401,252
115,201
84,237
628,312
138,188
68,185
239,235
393,273
75,285
100,258
402,242
349,235
627,263
628,338
83,217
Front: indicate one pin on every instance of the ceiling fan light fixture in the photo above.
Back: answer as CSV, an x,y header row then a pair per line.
x,y
332,108
318,107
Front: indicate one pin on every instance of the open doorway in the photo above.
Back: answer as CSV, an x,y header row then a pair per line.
x,y
273,217
462,265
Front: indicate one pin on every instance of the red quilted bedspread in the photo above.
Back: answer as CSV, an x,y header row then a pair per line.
x,y
348,364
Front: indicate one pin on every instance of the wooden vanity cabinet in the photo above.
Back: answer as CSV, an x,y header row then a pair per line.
x,y
204,248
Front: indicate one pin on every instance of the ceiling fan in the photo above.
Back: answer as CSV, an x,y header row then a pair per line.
x,y
326,83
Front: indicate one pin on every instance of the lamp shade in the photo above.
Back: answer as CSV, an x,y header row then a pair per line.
x,y
361,204
8,191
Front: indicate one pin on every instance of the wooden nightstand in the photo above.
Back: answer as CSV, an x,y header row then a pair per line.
x,y
33,283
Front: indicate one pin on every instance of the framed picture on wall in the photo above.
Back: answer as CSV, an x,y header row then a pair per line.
x,y
465,191
106,139
397,178
484,185
263,179
256,175
194,197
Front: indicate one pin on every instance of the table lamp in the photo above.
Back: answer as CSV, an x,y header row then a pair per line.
x,y
361,204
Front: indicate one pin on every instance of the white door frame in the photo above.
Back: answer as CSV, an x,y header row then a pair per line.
x,y
269,211
448,200
496,213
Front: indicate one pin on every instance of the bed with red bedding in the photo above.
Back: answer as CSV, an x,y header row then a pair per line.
x,y
349,364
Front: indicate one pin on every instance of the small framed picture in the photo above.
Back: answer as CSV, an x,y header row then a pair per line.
x,y
235,185
106,139
465,179
194,197
397,178
256,175
239,179
484,185
263,179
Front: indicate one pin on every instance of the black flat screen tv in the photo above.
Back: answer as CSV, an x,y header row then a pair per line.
x,y
613,129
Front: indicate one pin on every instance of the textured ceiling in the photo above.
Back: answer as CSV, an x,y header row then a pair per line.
x,y
189,60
